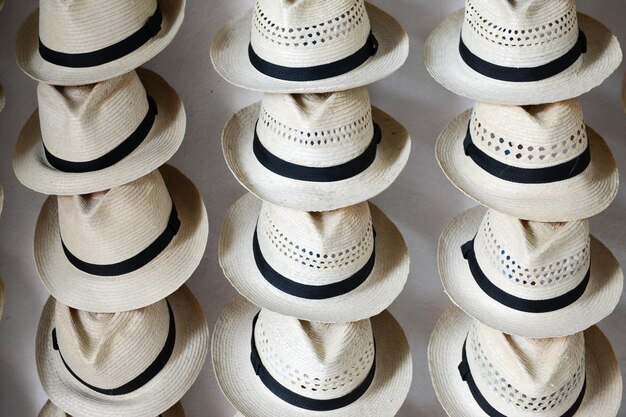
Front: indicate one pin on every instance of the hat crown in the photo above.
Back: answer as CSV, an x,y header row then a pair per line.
x,y
112,226
302,33
526,376
80,26
531,136
533,260
316,248
316,130
523,33
315,360
108,350
84,123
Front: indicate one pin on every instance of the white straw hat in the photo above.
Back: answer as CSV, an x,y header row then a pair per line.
x,y
50,410
575,376
76,42
528,278
91,138
123,249
335,266
137,363
306,46
315,152
344,370
536,163
521,52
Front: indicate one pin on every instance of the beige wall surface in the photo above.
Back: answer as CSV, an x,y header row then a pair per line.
x,y
421,202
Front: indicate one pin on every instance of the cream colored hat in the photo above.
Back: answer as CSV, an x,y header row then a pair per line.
x,y
271,365
521,52
91,138
50,410
528,278
315,152
537,162
76,42
304,46
137,363
123,249
335,266
479,372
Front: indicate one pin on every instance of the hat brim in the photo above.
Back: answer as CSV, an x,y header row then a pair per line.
x,y
444,63
31,62
51,410
598,301
580,197
604,382
381,288
246,392
158,395
229,54
147,285
392,155
33,170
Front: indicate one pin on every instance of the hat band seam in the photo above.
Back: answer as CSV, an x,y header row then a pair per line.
x,y
143,378
311,292
334,173
524,74
517,303
136,262
298,400
107,54
545,175
483,403
317,72
117,154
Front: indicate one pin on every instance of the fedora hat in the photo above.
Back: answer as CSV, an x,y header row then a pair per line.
x,y
90,138
125,248
315,152
479,372
528,278
76,42
536,162
333,266
136,363
271,365
304,46
50,410
521,52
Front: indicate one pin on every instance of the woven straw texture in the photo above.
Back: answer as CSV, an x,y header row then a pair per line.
x,y
117,357
119,225
229,52
50,410
604,383
336,245
77,26
238,381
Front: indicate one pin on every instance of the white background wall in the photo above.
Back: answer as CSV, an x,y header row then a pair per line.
x,y
421,202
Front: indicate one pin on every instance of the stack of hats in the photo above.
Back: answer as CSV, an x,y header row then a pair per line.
x,y
121,232
529,280
316,264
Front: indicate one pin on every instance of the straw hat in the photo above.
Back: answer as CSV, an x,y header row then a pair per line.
x,y
528,278
510,376
50,410
522,52
537,162
305,46
123,249
345,369
335,266
137,363
91,138
315,152
76,42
